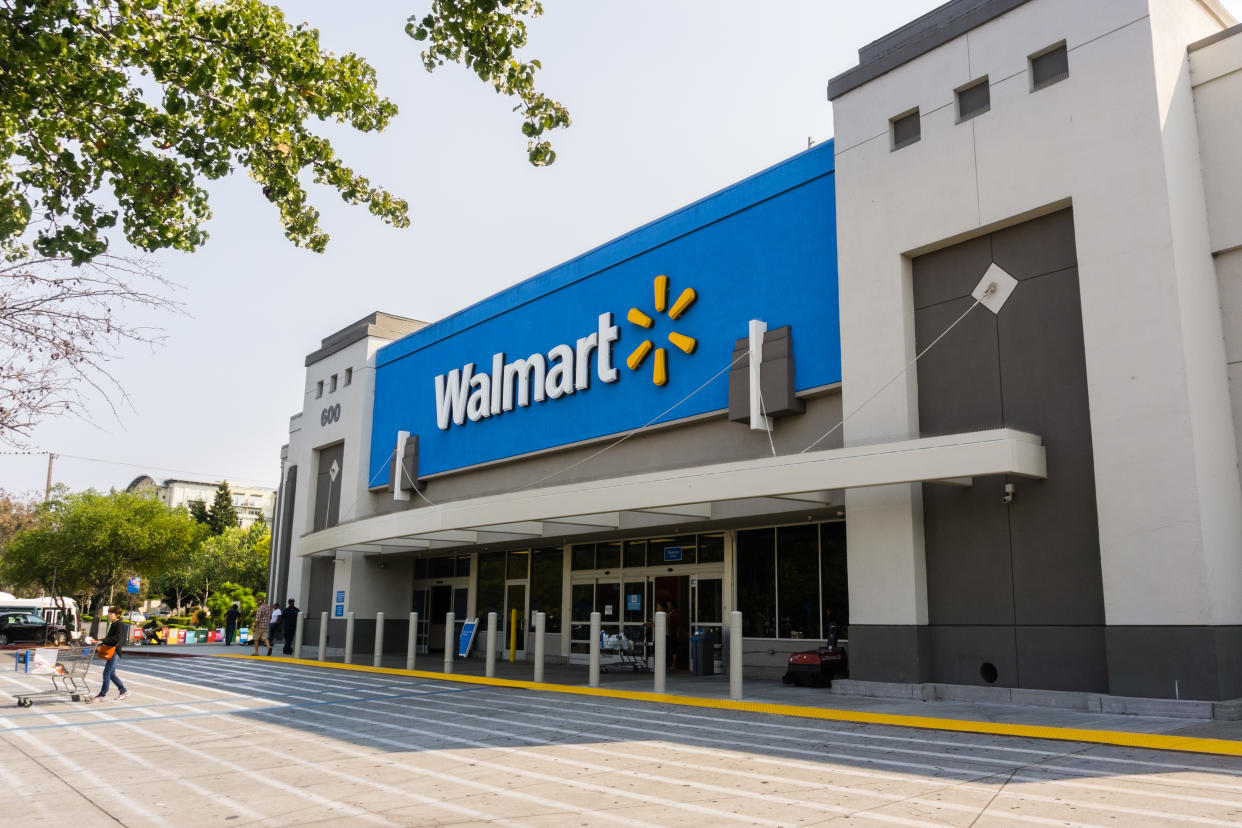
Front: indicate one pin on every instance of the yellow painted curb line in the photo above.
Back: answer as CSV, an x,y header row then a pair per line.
x,y
1117,738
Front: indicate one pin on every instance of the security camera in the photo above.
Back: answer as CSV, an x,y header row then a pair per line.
x,y
1007,497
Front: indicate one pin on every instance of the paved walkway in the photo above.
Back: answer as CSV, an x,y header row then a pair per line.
x,y
682,689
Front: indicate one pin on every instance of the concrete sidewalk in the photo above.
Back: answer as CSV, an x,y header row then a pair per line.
x,y
950,714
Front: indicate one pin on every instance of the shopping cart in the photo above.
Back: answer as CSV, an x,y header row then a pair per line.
x,y
68,676
631,654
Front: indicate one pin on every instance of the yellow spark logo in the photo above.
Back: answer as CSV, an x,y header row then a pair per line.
x,y
685,344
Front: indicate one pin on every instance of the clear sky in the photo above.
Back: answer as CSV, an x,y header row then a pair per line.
x,y
670,101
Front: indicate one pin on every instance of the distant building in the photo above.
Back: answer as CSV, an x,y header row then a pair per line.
x,y
249,501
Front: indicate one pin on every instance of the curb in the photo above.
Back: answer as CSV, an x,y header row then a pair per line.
x,y
1114,738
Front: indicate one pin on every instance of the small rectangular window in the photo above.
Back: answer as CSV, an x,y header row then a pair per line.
x,y
332,386
975,98
1049,66
319,389
904,129
349,375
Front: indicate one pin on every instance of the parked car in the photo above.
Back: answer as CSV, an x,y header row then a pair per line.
x,y
28,628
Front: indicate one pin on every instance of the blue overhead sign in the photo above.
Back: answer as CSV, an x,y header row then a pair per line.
x,y
133,586
611,340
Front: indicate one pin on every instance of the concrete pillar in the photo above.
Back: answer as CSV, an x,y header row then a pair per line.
x,y
411,646
323,636
450,623
540,621
593,673
379,640
661,650
735,655
349,637
491,645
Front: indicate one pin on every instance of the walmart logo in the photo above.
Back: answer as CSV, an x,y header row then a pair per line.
x,y
685,344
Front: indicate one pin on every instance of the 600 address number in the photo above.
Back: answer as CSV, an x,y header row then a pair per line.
x,y
330,414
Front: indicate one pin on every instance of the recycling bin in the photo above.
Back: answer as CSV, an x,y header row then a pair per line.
x,y
701,656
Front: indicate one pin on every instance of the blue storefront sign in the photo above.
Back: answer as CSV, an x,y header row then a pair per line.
x,y
340,596
634,602
672,554
338,611
611,340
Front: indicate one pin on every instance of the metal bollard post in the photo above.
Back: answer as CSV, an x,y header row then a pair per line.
x,y
513,622
379,639
491,645
661,647
349,637
593,676
412,644
735,655
323,636
540,622
297,635
450,624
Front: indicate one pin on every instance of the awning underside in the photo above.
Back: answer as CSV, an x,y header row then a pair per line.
x,y
678,495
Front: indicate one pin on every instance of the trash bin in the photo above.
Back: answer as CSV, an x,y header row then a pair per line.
x,y
701,657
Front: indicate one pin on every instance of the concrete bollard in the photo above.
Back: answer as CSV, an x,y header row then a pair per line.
x,y
450,624
661,648
491,645
540,623
297,635
735,655
379,640
349,637
593,676
323,636
412,644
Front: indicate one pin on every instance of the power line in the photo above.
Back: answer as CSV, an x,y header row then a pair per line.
x,y
235,478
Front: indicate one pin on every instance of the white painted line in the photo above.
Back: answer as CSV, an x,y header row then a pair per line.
x,y
166,778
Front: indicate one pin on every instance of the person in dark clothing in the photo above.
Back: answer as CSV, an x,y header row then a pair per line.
x,y
230,624
114,638
289,623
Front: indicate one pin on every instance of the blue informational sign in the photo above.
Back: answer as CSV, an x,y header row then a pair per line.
x,y
611,340
672,553
338,611
468,630
634,603
133,586
340,596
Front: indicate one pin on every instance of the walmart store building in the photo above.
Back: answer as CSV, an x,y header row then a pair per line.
x,y
1047,499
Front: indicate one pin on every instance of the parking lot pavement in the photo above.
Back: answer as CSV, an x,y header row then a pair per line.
x,y
207,741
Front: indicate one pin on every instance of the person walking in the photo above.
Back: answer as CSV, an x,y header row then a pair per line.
x,y
289,620
230,623
262,621
114,639
274,626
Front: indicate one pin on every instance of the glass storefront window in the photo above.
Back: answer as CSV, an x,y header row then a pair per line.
x,y
582,597
711,548
635,554
608,602
634,594
462,566
439,567
547,573
420,569
583,556
836,593
518,568
491,590
797,583
756,582
608,555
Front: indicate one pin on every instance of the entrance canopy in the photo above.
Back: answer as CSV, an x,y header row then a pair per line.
x,y
690,493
